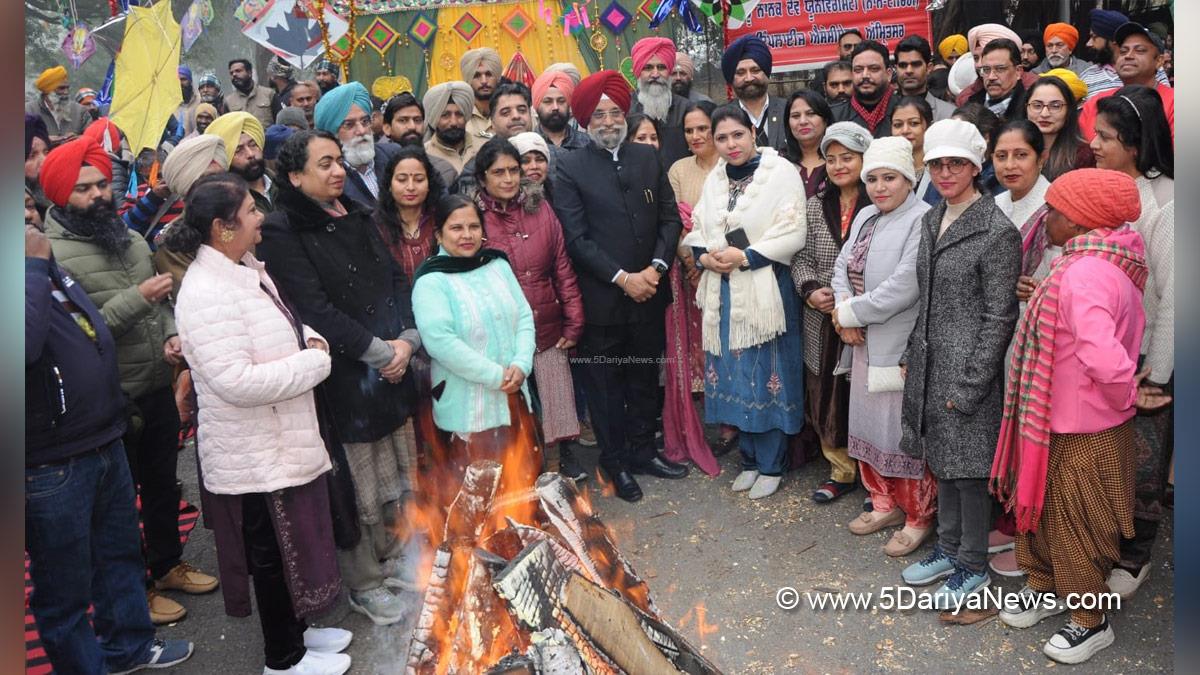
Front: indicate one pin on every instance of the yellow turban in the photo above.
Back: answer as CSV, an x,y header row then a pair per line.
x,y
470,62
955,44
51,79
231,126
1078,89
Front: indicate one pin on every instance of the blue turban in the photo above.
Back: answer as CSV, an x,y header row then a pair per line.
x,y
334,105
276,135
184,71
1106,21
746,47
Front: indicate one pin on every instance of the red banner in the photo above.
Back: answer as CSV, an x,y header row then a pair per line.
x,y
804,33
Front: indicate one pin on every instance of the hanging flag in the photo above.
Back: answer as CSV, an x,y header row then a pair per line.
x,y
286,30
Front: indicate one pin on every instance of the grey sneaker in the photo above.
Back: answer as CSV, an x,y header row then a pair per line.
x,y
378,605
398,573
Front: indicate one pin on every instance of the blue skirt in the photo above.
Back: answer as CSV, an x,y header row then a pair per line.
x,y
759,388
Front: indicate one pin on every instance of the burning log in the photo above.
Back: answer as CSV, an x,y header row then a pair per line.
x,y
469,510
510,541
425,646
611,634
591,541
485,629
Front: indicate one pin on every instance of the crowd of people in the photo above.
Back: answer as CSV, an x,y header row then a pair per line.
x,y
949,273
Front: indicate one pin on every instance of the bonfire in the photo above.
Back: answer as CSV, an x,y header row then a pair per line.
x,y
524,578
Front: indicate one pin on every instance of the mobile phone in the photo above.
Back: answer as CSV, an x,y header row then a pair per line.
x,y
737,238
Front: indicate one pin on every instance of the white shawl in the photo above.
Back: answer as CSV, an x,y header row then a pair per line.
x,y
772,212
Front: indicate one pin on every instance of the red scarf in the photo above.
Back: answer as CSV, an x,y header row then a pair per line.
x,y
872,118
1018,476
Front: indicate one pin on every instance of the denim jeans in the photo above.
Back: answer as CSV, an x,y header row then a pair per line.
x,y
964,516
81,532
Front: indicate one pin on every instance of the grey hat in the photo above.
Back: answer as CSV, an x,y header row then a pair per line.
x,y
292,116
854,136
326,65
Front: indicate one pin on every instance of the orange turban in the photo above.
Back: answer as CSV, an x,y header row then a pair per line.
x,y
1064,31
60,170
555,79
1094,198
647,48
608,83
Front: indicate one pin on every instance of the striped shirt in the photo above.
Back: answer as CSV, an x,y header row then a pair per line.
x,y
1100,79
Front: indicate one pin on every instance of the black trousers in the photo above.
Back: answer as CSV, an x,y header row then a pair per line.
x,y
283,632
620,366
153,454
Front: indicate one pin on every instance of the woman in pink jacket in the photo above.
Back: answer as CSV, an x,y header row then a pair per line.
x,y
525,228
1064,461
261,453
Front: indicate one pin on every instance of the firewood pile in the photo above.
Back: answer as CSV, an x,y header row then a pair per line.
x,y
553,596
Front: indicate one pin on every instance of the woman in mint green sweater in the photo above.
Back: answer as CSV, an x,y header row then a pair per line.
x,y
475,323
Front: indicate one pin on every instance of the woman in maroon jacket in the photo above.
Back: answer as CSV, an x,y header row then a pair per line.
x,y
529,233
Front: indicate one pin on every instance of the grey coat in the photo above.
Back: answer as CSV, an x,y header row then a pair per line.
x,y
967,314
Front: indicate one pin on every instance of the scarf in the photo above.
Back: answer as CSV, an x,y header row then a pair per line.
x,y
1033,241
447,264
1018,477
872,118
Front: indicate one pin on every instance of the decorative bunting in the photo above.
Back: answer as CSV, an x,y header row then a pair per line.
x,y
615,18
79,44
519,71
626,69
467,26
423,30
517,23
380,35
342,47
648,8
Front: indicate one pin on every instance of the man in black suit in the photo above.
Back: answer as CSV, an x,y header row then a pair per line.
x,y
653,60
746,65
622,226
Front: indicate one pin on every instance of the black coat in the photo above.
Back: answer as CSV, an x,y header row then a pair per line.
x,y
356,187
770,133
616,216
844,112
968,312
338,273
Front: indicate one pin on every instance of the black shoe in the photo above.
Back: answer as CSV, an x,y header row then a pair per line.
x,y
661,467
627,488
569,466
724,445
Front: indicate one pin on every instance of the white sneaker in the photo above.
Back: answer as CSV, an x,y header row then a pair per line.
x,y
765,486
379,605
1124,584
329,640
1076,644
1033,608
744,481
316,663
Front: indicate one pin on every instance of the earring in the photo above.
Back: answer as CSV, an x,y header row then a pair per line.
x,y
226,236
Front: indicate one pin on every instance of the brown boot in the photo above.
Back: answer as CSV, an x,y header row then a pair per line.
x,y
163,609
184,577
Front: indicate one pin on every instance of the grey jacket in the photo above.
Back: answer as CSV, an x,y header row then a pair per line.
x,y
888,308
967,314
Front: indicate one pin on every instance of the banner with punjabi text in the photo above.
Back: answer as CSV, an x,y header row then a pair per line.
x,y
803,33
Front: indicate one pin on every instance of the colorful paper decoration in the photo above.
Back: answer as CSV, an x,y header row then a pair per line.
x,y
685,11
192,24
575,19
626,70
289,33
206,11
342,47
467,26
517,23
79,44
380,35
648,8
389,85
423,30
519,71
726,13
249,10
615,17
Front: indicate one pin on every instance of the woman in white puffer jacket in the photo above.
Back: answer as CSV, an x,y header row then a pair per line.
x,y
262,457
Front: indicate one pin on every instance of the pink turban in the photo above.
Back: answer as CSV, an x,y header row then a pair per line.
x,y
647,48
555,79
685,62
982,34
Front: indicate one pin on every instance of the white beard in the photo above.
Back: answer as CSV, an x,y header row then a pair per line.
x,y
655,98
609,140
359,151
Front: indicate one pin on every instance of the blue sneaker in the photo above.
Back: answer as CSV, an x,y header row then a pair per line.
x,y
162,654
962,582
937,566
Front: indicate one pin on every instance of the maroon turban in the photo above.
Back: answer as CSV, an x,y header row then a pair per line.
x,y
647,48
608,83
1091,198
61,169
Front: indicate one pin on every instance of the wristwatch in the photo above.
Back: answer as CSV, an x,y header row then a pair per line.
x,y
660,267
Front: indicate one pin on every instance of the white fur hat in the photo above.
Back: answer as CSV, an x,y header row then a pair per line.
x,y
955,138
890,152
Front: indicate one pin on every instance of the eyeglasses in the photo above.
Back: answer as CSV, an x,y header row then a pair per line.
x,y
1037,106
613,115
999,70
954,165
351,124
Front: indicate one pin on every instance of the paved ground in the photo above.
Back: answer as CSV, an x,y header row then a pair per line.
x,y
698,543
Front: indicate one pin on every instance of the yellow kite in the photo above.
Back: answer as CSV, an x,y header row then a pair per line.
x,y
146,81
